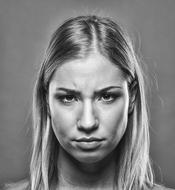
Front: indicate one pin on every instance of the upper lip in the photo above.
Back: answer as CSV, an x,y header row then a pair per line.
x,y
88,139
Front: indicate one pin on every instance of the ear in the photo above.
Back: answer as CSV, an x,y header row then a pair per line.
x,y
133,88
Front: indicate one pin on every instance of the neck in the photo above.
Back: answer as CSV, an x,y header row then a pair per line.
x,y
93,175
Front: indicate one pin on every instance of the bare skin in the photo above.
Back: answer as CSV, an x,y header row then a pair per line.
x,y
90,112
88,176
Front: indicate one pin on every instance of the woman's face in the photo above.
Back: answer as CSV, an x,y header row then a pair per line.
x,y
88,100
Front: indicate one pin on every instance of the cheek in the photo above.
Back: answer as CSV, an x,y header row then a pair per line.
x,y
115,121
62,121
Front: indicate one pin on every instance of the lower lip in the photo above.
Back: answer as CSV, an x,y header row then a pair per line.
x,y
88,145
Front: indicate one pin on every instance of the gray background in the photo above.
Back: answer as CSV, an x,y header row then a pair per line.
x,y
25,27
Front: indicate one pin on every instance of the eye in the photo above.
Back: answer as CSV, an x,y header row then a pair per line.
x,y
66,99
108,97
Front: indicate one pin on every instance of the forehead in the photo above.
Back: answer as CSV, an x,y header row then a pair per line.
x,y
93,71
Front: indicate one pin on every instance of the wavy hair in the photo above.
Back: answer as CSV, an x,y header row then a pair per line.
x,y
76,38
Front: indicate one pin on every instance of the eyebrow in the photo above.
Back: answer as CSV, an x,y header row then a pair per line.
x,y
72,91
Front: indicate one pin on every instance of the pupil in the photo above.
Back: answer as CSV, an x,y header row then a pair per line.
x,y
69,97
106,96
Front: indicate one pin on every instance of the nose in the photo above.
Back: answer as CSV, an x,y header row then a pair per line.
x,y
88,121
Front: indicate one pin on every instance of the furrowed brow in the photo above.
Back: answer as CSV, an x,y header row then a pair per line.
x,y
103,90
70,91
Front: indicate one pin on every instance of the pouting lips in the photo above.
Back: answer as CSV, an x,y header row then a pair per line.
x,y
89,139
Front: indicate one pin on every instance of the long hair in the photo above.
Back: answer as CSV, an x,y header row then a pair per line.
x,y
77,38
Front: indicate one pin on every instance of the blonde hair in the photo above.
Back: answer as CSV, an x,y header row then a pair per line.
x,y
74,39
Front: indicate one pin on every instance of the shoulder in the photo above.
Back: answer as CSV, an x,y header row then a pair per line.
x,y
20,185
160,187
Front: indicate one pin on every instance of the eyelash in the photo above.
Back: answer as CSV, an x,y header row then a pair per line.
x,y
61,98
111,98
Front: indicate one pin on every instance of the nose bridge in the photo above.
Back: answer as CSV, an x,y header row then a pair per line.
x,y
88,117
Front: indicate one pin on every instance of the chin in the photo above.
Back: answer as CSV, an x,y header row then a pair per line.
x,y
89,157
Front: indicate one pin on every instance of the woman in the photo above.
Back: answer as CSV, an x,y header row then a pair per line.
x,y
90,113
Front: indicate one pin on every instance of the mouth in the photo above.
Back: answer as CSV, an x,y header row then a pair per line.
x,y
89,143
89,139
